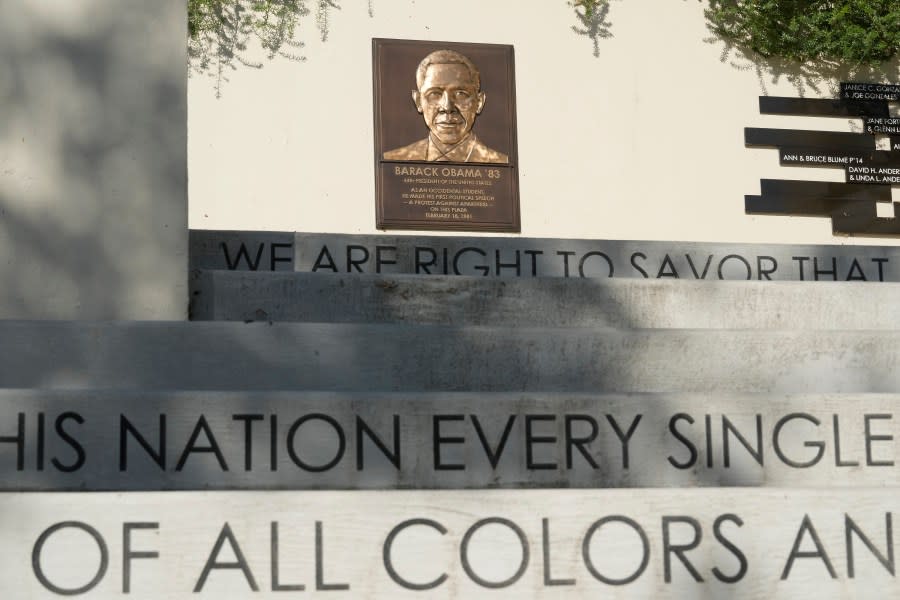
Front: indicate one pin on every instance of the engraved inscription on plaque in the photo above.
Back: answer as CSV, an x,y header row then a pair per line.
x,y
445,137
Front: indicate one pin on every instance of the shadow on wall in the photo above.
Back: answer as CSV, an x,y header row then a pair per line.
x,y
591,15
820,79
92,160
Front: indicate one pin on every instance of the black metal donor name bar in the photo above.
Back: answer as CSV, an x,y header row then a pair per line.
x,y
831,190
822,107
816,198
837,157
866,163
801,138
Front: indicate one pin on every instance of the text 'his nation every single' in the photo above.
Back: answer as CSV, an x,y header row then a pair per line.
x,y
293,441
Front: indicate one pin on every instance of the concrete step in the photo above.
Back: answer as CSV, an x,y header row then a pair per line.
x,y
401,357
518,257
552,302
776,544
158,440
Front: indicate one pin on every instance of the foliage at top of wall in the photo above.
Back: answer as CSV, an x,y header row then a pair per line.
x,y
220,32
806,39
857,31
228,24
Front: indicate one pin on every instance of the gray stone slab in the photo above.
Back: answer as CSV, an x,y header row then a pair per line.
x,y
540,257
114,440
93,160
554,302
668,544
242,250
344,357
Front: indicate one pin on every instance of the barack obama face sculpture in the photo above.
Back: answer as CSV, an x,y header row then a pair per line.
x,y
449,98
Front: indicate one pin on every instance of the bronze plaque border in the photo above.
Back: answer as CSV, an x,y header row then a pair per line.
x,y
383,115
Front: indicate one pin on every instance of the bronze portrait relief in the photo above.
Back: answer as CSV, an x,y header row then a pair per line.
x,y
449,97
459,171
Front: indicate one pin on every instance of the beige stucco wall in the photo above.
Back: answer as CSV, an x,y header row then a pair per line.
x,y
643,141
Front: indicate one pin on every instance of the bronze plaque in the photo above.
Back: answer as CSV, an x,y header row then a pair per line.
x,y
445,136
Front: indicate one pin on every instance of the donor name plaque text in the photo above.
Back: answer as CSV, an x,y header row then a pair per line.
x,y
445,137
